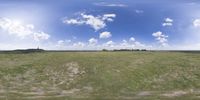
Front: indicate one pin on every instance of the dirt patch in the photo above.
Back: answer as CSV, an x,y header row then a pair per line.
x,y
144,93
87,88
67,92
65,74
74,70
175,94
2,91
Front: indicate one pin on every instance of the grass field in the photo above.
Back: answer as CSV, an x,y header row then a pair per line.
x,y
100,76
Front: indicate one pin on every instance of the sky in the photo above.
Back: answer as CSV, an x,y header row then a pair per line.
x,y
100,24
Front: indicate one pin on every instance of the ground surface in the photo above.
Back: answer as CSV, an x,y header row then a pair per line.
x,y
100,76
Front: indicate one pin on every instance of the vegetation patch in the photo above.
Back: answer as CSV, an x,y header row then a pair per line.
x,y
100,76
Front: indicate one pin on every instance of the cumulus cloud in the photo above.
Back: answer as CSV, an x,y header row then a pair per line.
x,y
132,39
92,41
196,23
132,43
138,44
161,38
168,22
109,44
108,17
110,4
96,22
41,36
124,43
16,28
61,42
93,44
74,21
79,44
105,35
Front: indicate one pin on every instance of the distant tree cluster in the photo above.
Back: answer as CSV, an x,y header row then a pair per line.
x,y
125,50
105,50
28,50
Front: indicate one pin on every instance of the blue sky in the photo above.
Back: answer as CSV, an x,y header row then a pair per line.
x,y
98,24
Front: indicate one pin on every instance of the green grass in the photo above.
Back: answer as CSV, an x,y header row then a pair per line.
x,y
100,76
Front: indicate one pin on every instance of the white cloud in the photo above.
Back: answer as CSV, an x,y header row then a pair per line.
x,y
161,38
96,22
61,42
109,17
105,16
196,23
16,28
168,22
79,44
105,35
110,4
132,43
109,44
132,39
125,45
139,11
138,44
92,45
93,41
74,21
41,36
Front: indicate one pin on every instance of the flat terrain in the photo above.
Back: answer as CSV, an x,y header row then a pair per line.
x,y
100,76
